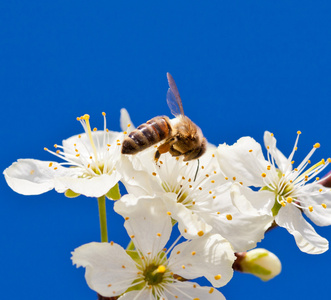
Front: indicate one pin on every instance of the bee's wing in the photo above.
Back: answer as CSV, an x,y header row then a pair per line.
x,y
173,98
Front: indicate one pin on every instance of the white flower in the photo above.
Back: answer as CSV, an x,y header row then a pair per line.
x,y
291,191
92,158
196,194
110,271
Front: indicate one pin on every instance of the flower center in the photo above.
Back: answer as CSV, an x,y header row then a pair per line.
x,y
154,274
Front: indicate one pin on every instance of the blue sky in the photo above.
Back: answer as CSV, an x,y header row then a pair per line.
x,y
241,67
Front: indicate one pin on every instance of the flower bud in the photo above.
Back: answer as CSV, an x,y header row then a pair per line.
x,y
259,262
326,180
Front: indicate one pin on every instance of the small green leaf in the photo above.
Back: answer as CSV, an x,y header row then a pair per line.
x,y
70,194
114,193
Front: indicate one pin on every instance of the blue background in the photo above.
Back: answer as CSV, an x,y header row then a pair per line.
x,y
242,67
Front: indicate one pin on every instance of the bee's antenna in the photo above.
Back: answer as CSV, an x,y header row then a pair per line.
x,y
196,173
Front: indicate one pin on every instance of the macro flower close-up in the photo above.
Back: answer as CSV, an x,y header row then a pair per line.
x,y
151,271
292,191
196,194
92,158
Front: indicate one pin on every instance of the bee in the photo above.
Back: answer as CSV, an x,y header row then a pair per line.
x,y
180,135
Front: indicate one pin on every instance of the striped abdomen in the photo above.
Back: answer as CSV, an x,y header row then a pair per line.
x,y
146,135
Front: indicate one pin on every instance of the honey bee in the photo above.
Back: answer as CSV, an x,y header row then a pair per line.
x,y
181,135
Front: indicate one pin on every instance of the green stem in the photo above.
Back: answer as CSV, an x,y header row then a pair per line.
x,y
103,219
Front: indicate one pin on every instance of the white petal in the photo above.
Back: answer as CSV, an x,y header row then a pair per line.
x,y
191,290
320,216
136,182
243,160
281,161
290,217
137,295
109,270
90,187
189,223
251,202
208,256
147,222
33,177
243,229
125,120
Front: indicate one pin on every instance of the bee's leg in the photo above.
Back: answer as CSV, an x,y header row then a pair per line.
x,y
164,148
174,152
196,173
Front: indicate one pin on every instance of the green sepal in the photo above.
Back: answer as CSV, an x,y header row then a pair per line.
x,y
70,194
256,269
114,193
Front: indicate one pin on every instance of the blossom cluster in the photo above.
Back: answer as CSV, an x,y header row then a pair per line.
x,y
222,203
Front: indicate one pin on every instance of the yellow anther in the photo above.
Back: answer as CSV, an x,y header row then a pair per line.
x,y
132,236
125,132
200,188
210,192
289,199
299,132
127,218
158,234
268,168
57,151
95,129
129,125
323,161
229,217
282,203
193,252
211,290
323,205
263,174
271,134
310,208
317,178
309,161
154,174
77,154
123,267
292,162
234,178
329,160
103,113
268,147
193,202
250,150
161,269
78,118
169,213
296,148
201,233
178,252
111,243
317,145
213,181
218,277
320,190
226,178
46,149
213,155
55,168
214,197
